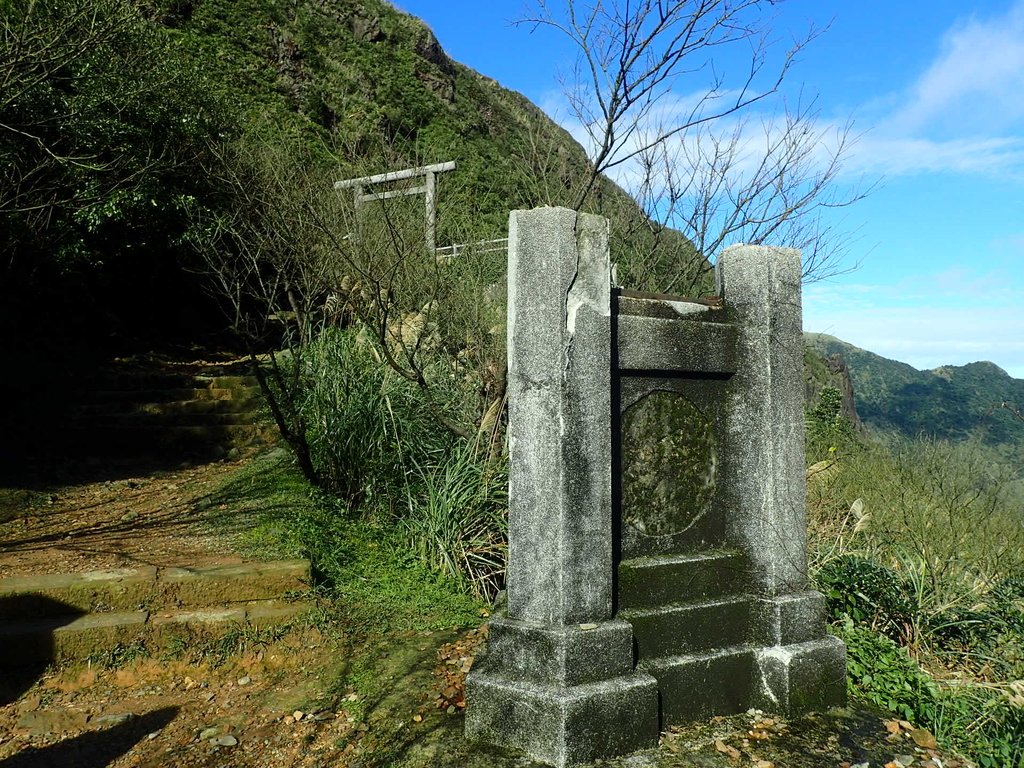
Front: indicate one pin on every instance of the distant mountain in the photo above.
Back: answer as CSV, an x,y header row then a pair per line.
x,y
953,402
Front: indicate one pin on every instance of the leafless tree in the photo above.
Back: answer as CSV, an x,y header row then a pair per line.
x,y
292,257
662,116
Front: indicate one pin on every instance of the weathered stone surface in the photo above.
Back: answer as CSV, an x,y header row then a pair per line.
x,y
761,289
570,655
35,596
564,726
802,677
669,464
558,681
648,582
684,346
710,587
559,389
797,617
233,583
687,628
701,685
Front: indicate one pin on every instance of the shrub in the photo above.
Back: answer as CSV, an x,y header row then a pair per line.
x,y
867,592
882,672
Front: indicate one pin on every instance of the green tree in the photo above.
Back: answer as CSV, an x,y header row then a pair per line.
x,y
103,120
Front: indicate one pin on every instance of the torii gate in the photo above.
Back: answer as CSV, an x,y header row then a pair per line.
x,y
429,172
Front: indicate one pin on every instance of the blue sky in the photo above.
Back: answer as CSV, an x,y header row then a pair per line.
x,y
936,93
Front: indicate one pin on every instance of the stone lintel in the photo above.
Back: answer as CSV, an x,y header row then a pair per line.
x,y
563,655
668,307
684,346
802,677
563,725
797,617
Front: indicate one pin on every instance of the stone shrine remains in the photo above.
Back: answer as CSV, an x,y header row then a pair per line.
x,y
657,521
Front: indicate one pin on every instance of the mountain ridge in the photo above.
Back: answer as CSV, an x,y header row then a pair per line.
x,y
977,400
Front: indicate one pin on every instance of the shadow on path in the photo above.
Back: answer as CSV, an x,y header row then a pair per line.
x,y
95,749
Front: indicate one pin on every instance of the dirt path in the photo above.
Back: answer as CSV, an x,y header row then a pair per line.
x,y
144,520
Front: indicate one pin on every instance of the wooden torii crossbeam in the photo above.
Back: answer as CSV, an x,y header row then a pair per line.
x,y
427,189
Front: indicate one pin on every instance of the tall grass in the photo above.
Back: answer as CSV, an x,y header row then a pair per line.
x,y
377,445
457,520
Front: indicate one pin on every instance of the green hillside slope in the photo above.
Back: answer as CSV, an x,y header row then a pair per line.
x,y
978,400
338,88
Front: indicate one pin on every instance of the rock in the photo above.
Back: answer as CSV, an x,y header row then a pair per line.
x,y
48,722
113,719
224,741
244,680
924,738
208,733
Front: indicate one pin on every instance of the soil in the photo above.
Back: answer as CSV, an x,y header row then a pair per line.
x,y
316,695
138,520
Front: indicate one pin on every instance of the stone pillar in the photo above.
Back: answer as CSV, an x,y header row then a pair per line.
x,y
558,681
761,286
799,667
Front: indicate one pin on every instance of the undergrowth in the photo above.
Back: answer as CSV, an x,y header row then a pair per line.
x,y
377,583
919,551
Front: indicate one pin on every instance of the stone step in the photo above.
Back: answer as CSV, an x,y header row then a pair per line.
x,y
688,628
165,408
70,637
120,439
170,394
698,686
147,588
150,416
650,582
130,381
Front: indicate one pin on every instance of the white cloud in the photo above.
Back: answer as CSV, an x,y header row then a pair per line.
x,y
948,318
900,155
975,82
964,113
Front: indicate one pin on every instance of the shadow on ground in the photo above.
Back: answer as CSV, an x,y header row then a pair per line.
x,y
27,624
403,668
95,749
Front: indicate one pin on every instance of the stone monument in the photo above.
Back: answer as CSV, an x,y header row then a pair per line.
x,y
657,555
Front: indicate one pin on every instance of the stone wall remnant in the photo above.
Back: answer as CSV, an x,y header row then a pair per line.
x,y
657,521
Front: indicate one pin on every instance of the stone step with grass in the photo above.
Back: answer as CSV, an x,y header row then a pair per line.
x,y
66,617
203,413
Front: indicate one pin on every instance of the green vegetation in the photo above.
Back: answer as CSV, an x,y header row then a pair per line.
x,y
150,148
918,547
976,401
366,565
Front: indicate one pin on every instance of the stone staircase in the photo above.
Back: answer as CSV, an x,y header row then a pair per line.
x,y
698,627
189,411
66,617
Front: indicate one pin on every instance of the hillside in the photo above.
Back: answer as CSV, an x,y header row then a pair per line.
x,y
320,89
951,402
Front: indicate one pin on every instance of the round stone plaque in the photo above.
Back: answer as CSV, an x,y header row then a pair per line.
x,y
669,462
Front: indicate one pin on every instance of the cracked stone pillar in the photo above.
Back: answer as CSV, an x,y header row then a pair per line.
x,y
798,666
558,681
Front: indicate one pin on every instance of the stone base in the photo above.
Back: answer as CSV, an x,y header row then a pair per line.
x,y
563,695
800,678
697,686
788,619
563,725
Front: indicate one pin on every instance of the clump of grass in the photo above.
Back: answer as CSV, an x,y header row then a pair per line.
x,y
456,521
